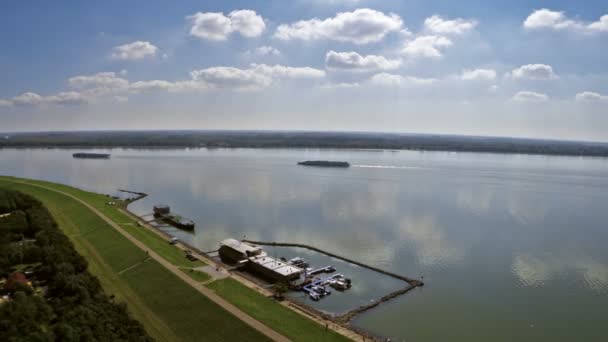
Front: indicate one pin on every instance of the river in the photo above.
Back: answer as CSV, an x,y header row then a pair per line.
x,y
511,247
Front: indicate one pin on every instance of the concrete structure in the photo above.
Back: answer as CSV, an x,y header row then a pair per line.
x,y
257,261
274,269
232,250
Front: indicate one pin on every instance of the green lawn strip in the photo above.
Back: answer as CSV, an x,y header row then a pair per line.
x,y
196,275
98,266
156,243
273,314
169,308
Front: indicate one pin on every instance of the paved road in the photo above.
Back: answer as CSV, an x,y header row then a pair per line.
x,y
257,325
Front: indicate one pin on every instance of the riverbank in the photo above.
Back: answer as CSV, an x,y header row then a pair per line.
x,y
300,139
144,282
168,307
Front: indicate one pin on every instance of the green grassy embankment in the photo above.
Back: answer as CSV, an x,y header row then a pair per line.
x,y
267,311
282,319
168,308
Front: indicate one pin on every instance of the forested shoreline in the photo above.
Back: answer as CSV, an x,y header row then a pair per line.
x,y
48,294
300,139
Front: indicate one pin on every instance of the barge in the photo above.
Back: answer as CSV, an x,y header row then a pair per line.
x,y
324,163
163,212
82,155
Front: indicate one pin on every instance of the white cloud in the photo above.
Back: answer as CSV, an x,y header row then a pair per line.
x,y
267,51
360,26
439,25
6,103
63,98
134,51
98,80
353,61
555,20
257,76
534,72
342,85
588,96
289,72
600,25
530,96
229,77
68,98
247,23
386,79
28,98
217,26
426,46
478,75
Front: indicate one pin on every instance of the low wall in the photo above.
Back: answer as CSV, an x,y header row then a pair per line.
x,y
413,282
347,317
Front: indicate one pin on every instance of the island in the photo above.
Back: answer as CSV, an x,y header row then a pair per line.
x,y
324,163
91,155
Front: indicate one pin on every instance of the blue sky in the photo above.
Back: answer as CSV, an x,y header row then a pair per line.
x,y
518,68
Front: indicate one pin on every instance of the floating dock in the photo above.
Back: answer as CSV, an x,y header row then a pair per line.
x,y
163,212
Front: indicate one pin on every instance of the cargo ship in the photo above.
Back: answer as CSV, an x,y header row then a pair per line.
x,y
91,155
163,212
324,163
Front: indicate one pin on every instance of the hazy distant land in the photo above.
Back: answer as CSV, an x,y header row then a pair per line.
x,y
291,139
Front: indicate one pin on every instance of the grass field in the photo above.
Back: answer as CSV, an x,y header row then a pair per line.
x,y
266,310
169,309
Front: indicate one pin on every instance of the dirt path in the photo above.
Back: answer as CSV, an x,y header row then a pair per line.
x,y
175,270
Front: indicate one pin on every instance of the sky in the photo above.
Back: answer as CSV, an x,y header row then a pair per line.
x,y
535,69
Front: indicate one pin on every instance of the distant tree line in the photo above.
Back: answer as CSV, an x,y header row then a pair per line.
x,y
280,139
66,302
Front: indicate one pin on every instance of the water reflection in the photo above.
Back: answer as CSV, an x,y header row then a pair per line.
x,y
536,271
504,236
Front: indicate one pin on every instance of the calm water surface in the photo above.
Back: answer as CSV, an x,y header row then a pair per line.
x,y
510,246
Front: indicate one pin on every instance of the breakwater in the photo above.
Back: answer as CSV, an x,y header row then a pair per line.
x,y
411,281
348,316
139,196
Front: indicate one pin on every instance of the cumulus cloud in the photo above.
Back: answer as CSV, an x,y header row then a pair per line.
x,y
478,75
426,46
134,51
28,98
360,26
534,72
530,96
386,79
109,86
437,24
555,20
588,96
100,79
229,77
352,61
63,98
267,51
257,76
217,26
